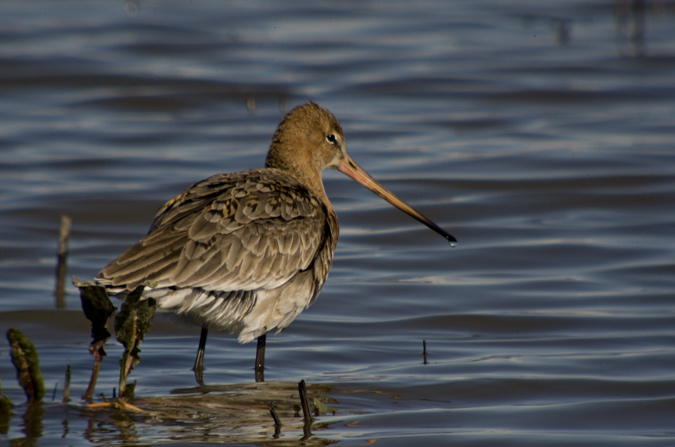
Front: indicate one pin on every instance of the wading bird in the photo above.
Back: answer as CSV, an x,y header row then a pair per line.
x,y
247,252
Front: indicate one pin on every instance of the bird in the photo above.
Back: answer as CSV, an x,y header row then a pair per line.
x,y
246,252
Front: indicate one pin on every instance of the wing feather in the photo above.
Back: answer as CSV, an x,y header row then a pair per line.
x,y
230,232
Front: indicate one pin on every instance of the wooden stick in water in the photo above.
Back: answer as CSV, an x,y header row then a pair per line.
x,y
302,389
66,386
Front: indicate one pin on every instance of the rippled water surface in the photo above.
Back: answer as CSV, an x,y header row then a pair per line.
x,y
540,134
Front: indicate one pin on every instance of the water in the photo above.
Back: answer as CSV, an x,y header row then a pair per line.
x,y
540,134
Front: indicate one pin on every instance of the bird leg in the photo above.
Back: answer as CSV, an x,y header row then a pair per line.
x,y
260,359
199,360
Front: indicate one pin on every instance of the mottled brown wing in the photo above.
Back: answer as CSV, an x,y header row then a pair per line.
x,y
241,231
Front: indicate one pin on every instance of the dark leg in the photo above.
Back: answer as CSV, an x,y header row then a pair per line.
x,y
260,359
199,360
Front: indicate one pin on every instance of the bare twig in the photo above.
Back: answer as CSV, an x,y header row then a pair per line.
x,y
307,415
66,386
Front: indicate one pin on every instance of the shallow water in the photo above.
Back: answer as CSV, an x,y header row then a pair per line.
x,y
540,134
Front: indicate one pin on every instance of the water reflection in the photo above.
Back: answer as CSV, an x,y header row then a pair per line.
x,y
630,18
226,414
33,420
213,414
630,25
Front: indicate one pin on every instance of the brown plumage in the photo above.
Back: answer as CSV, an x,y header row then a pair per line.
x,y
246,252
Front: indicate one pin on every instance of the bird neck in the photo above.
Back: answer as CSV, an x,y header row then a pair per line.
x,y
302,171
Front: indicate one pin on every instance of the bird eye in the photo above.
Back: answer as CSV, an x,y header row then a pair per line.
x,y
331,138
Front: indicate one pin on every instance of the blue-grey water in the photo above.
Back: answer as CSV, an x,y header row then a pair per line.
x,y
540,134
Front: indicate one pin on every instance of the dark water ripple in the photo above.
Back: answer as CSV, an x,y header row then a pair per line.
x,y
540,135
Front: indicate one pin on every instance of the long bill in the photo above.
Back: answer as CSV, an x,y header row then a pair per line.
x,y
351,169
